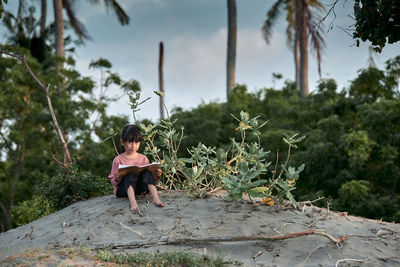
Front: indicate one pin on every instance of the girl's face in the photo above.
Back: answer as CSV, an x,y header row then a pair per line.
x,y
130,147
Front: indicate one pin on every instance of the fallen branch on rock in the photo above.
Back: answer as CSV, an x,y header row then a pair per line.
x,y
188,241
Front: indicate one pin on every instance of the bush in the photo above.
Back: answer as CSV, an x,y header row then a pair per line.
x,y
30,210
70,185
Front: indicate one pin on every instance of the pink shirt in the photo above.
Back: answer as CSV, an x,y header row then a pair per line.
x,y
122,159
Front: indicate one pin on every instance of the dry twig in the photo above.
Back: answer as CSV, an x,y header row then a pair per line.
x,y
218,225
180,241
178,220
343,260
312,251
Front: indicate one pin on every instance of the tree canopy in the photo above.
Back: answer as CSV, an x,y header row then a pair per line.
x,y
377,21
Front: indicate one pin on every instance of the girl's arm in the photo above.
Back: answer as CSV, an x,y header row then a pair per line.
x,y
115,179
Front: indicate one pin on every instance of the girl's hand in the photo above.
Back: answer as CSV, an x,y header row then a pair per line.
x,y
116,177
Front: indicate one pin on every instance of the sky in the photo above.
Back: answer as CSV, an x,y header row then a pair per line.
x,y
194,33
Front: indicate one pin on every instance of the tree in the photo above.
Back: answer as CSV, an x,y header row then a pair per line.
x,y
293,34
231,49
1,7
59,27
161,79
301,34
377,22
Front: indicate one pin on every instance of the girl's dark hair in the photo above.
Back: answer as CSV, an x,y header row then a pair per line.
x,y
131,133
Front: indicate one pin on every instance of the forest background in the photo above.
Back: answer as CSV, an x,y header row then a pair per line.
x,y
350,150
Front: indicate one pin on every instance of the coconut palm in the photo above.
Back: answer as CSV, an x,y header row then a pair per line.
x,y
77,26
301,24
231,50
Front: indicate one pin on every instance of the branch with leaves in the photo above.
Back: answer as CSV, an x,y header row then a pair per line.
x,y
67,156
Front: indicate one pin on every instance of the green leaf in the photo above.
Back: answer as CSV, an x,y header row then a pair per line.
x,y
260,189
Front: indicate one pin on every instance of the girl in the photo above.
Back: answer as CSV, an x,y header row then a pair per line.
x,y
129,186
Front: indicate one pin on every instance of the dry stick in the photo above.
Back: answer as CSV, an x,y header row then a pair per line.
x,y
343,260
309,202
46,91
178,220
132,230
180,241
218,225
312,251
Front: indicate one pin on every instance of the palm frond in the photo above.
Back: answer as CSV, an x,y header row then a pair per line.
x,y
272,15
123,18
8,19
317,41
78,27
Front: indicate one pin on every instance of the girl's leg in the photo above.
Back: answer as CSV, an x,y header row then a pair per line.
x,y
154,194
132,199
147,181
125,189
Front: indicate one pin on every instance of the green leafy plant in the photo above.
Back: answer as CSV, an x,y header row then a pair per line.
x,y
70,185
238,170
30,210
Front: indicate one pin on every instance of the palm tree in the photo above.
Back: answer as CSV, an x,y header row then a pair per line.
x,y
231,50
301,23
77,26
59,27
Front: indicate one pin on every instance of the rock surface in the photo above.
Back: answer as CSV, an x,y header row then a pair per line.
x,y
106,222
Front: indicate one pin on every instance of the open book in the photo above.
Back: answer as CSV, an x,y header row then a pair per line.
x,y
136,170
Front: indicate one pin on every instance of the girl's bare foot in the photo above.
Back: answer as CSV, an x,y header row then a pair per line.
x,y
158,203
134,207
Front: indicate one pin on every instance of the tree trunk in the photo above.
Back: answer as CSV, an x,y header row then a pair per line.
x,y
59,27
161,79
231,51
59,31
303,45
296,54
43,17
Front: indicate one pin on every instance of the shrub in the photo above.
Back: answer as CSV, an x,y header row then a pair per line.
x,y
70,185
30,210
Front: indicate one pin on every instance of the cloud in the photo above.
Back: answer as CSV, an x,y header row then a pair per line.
x,y
194,66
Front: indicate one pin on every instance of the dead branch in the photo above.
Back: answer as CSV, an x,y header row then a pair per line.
x,y
178,220
188,241
308,202
142,236
343,260
331,10
218,225
46,91
312,251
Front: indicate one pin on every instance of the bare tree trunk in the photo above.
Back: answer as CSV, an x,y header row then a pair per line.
x,y
13,181
231,50
303,44
161,79
43,17
59,26
6,218
297,60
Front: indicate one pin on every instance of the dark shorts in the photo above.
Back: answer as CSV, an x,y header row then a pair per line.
x,y
139,184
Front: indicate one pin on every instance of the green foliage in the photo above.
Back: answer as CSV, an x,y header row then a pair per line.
x,y
238,170
30,210
1,7
351,135
377,22
70,185
167,258
358,147
353,191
